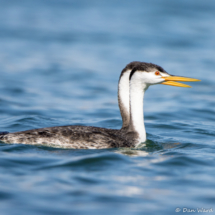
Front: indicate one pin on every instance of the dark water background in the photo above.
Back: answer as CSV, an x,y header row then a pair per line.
x,y
60,62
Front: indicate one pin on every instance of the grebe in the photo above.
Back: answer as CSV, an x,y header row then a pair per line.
x,y
135,79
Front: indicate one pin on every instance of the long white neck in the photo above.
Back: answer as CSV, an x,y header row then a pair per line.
x,y
137,90
123,98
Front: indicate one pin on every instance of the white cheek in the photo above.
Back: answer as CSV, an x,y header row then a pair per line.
x,y
147,77
151,78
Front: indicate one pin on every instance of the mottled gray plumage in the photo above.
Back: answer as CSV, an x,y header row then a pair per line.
x,y
77,137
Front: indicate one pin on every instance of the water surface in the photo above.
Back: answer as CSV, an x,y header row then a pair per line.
x,y
60,61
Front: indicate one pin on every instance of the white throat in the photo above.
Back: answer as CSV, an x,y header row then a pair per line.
x,y
137,91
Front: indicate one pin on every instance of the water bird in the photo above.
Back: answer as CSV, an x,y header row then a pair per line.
x,y
134,80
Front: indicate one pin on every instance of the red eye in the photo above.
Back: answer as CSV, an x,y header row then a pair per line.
x,y
157,73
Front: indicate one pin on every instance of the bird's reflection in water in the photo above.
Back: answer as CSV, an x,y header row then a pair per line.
x,y
147,148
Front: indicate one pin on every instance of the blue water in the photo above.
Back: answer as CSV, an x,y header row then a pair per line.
x,y
60,61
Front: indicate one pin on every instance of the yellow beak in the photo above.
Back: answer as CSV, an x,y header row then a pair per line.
x,y
171,81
